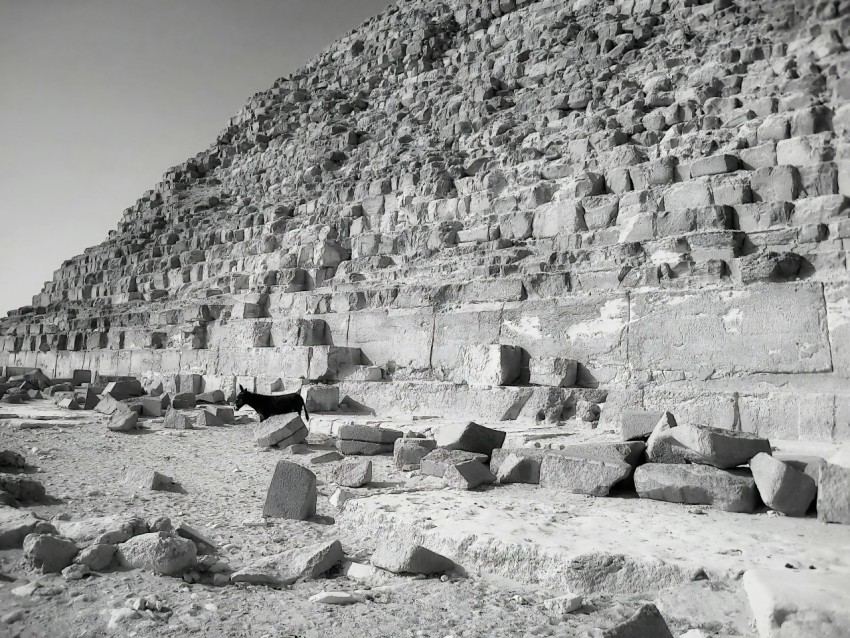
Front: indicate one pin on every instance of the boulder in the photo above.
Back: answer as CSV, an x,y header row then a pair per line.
x,y
122,421
552,371
291,493
468,475
782,488
800,604
408,453
158,552
9,459
122,390
204,419
97,556
281,430
469,437
223,413
721,448
155,406
646,622
176,420
582,475
353,473
729,490
437,462
280,570
48,552
402,557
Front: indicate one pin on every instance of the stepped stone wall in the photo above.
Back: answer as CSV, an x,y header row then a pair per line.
x,y
503,209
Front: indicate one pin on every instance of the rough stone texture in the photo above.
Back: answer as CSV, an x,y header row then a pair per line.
x,y
718,447
645,622
96,556
11,459
368,434
833,488
353,473
143,479
469,437
408,453
281,429
517,469
283,569
22,488
582,475
732,491
291,493
781,486
48,552
488,365
437,462
630,452
122,421
638,424
159,552
176,420
796,603
468,475
109,530
402,557
15,525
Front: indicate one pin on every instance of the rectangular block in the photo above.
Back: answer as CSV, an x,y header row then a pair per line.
x,y
453,330
393,338
770,328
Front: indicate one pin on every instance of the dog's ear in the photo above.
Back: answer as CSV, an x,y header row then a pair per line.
x,y
241,389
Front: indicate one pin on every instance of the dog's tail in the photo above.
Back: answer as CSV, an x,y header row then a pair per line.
x,y
304,407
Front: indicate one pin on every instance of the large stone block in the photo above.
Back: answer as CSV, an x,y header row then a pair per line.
x,y
281,429
453,330
393,338
834,493
732,491
488,365
721,448
469,437
582,475
771,328
782,487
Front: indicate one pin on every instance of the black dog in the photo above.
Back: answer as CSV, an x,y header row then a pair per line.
x,y
267,406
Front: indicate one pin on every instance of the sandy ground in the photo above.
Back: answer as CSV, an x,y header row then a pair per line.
x,y
223,478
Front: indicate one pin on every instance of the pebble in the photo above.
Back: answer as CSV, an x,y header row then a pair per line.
x,y
336,598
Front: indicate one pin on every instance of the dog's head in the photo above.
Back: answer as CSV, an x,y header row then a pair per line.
x,y
240,398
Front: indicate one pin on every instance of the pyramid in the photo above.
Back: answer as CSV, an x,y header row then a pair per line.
x,y
503,210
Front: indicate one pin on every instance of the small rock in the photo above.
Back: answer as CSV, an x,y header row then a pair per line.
x,y
12,617
176,420
327,457
122,616
468,475
287,567
75,572
97,556
560,606
339,497
12,459
353,473
123,421
142,479
408,452
336,598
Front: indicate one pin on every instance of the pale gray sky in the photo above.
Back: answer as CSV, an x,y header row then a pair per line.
x,y
99,97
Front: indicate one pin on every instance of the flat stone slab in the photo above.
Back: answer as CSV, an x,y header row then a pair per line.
x,y
582,475
796,603
733,491
569,542
368,434
622,451
437,462
718,447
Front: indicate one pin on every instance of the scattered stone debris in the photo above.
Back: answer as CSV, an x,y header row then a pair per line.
x,y
158,552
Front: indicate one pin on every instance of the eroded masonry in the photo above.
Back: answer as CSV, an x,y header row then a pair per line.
x,y
502,210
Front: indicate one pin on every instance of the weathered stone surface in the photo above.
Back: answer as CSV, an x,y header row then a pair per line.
x,y
109,530
48,552
782,487
353,473
368,434
553,371
468,475
437,462
291,493
732,491
645,622
22,488
121,390
96,556
630,452
517,469
488,365
158,552
582,475
364,448
183,401
798,603
122,421
176,420
143,479
718,447
401,557
15,525
833,500
469,437
408,453
283,569
638,424
281,429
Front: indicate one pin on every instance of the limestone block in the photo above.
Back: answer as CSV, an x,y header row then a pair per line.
x,y
332,363
646,621
399,556
281,429
488,365
774,184
582,475
352,473
552,371
833,500
714,165
732,491
779,328
721,448
782,487
559,217
399,337
437,462
408,453
468,475
291,493
469,437
638,424
321,398
285,568
455,329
